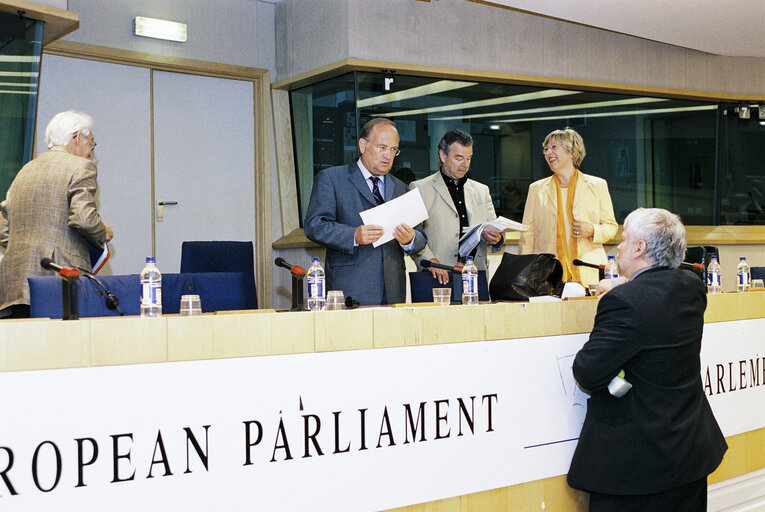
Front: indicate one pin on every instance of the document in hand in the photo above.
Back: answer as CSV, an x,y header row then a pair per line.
x,y
408,208
98,257
472,235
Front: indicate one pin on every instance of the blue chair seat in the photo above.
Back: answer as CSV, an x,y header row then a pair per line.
x,y
218,291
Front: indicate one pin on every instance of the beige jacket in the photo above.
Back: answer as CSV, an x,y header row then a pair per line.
x,y
592,203
443,224
49,212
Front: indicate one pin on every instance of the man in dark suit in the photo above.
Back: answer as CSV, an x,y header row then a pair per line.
x,y
652,448
353,265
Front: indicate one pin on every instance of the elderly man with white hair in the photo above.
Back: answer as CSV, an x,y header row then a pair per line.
x,y
650,446
50,211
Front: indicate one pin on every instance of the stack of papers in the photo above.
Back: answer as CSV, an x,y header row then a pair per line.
x,y
472,235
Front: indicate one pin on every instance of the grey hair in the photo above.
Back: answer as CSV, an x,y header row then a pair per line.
x,y
663,233
66,125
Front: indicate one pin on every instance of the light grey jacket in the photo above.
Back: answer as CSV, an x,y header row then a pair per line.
x,y
442,228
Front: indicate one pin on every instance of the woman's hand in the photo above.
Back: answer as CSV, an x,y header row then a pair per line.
x,y
582,229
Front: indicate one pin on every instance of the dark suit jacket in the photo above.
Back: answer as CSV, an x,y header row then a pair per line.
x,y
662,433
364,272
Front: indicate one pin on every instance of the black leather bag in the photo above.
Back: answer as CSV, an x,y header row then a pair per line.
x,y
519,277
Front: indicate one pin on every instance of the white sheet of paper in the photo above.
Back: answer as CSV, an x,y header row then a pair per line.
x,y
408,208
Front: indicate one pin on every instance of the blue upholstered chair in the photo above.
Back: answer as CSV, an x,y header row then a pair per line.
x,y
421,284
758,272
222,256
218,291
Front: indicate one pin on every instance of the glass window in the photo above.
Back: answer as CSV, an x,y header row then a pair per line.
x,y
653,151
20,47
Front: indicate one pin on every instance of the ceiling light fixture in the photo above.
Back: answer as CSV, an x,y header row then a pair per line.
x,y
573,106
159,29
610,114
415,92
515,98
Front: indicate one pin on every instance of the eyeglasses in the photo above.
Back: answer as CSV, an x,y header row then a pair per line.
x,y
382,149
554,148
93,142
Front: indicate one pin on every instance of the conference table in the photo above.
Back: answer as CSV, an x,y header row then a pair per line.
x,y
413,407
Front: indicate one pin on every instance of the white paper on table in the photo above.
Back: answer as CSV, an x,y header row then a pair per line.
x,y
408,208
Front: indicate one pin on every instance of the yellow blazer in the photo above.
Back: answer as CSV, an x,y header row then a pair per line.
x,y
592,203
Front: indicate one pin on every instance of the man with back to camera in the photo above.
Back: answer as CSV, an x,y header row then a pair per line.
x,y
372,275
455,202
50,211
652,448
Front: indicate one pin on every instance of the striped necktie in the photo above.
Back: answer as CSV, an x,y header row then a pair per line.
x,y
376,190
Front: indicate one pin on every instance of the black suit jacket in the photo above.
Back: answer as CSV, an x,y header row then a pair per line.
x,y
662,433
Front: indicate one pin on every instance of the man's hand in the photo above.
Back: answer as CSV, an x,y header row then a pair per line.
x,y
491,237
403,234
109,233
606,285
366,235
439,273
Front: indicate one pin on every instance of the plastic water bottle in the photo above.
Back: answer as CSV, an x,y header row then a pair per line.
x,y
317,293
151,290
743,275
469,282
612,269
714,281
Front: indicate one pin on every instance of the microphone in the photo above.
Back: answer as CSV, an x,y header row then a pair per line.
x,y
697,268
65,272
112,302
351,303
296,270
457,269
580,263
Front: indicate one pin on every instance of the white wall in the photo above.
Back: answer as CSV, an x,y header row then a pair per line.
x,y
476,36
237,32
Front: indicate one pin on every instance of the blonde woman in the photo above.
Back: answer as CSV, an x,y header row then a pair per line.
x,y
570,213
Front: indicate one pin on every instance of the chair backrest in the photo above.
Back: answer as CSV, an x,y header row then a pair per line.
x,y
701,254
222,256
421,284
758,272
218,291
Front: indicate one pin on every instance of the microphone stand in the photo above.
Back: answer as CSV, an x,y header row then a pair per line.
x,y
71,309
297,292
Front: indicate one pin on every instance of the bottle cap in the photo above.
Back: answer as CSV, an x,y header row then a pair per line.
x,y
150,259
315,258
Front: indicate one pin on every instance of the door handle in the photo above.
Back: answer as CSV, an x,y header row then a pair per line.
x,y
161,209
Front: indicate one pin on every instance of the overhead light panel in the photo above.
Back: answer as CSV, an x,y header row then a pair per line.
x,y
160,29
414,92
